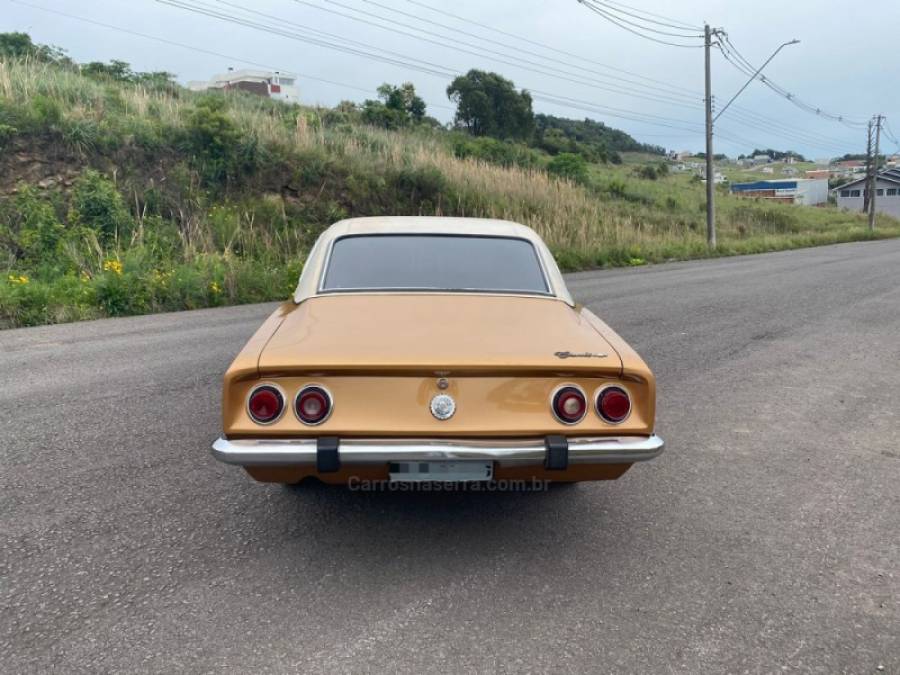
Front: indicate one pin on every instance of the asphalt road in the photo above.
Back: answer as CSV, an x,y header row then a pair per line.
x,y
766,538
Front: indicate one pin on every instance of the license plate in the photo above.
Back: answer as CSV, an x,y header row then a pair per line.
x,y
442,472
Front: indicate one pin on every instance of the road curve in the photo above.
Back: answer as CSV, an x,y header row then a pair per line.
x,y
767,537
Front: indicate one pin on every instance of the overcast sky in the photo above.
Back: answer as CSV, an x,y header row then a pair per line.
x,y
846,62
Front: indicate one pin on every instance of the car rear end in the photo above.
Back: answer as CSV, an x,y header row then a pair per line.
x,y
419,356
371,400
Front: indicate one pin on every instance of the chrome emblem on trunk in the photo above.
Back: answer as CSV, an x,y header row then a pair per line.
x,y
443,406
581,355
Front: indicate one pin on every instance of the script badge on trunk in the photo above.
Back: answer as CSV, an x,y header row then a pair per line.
x,y
443,406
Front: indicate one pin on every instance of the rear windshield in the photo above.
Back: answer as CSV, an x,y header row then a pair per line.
x,y
421,262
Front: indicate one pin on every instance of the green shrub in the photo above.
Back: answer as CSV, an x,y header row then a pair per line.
x,y
7,131
647,171
214,139
570,166
46,111
495,151
98,207
29,228
419,184
81,135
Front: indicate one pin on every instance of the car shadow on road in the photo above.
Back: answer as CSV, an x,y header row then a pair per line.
x,y
553,513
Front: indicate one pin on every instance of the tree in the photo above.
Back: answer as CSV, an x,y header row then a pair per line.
x,y
20,46
488,104
398,106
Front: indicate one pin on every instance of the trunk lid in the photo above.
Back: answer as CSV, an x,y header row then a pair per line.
x,y
436,333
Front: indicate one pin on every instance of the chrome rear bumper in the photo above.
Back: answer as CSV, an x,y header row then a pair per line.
x,y
297,451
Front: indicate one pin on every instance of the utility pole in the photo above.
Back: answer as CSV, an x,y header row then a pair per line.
x,y
873,190
710,165
867,192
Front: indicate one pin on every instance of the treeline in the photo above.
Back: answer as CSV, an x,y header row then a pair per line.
x,y
501,123
20,45
777,155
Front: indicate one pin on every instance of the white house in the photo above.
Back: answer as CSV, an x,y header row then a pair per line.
x,y
273,84
851,196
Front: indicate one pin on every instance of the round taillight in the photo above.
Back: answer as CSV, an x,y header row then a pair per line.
x,y
613,404
569,405
265,404
313,405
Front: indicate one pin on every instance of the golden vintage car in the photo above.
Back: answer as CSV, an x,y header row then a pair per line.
x,y
435,349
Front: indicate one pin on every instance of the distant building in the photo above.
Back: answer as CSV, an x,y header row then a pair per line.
x,y
271,84
819,173
793,191
718,178
852,196
761,159
679,156
767,169
849,167
789,171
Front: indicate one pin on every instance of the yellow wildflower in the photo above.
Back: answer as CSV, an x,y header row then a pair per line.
x,y
112,266
162,278
215,288
18,279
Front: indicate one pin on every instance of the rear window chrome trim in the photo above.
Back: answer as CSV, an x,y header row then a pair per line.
x,y
549,292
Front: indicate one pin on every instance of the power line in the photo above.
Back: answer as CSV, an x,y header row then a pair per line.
x,y
735,58
393,58
579,104
622,25
795,131
543,45
201,50
890,132
695,95
612,9
672,23
575,103
517,62
830,145
666,89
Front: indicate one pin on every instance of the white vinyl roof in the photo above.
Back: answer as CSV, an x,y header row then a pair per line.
x,y
312,271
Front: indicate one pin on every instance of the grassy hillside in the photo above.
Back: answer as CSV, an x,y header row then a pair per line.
x,y
120,199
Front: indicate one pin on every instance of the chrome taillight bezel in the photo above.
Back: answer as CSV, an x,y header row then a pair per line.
x,y
328,397
600,391
557,392
281,395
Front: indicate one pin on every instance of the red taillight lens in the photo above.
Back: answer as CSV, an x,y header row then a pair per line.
x,y
569,405
613,404
265,404
313,405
